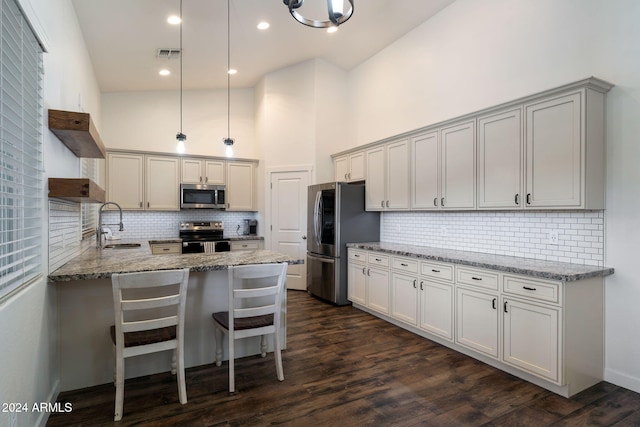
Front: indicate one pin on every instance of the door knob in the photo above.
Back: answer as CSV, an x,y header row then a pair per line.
x,y
304,237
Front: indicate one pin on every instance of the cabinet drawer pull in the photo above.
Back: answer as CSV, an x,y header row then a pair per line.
x,y
493,303
435,271
528,288
378,259
414,283
244,246
166,249
476,278
356,255
528,198
517,199
404,265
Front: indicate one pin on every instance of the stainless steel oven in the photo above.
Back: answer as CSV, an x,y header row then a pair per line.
x,y
203,237
202,196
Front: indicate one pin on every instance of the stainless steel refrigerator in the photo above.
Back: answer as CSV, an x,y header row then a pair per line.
x,y
336,216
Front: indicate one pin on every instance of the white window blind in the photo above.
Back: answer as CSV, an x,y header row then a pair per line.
x,y
20,151
89,210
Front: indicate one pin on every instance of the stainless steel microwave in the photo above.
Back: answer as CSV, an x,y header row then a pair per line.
x,y
202,196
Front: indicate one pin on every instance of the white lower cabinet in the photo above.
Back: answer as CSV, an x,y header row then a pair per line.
x,y
477,321
531,338
545,331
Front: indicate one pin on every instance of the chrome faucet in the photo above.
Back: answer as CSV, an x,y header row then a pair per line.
x,y
99,229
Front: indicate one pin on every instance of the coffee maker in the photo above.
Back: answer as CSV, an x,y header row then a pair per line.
x,y
250,227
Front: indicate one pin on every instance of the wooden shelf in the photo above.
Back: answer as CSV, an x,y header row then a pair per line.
x,y
76,190
77,132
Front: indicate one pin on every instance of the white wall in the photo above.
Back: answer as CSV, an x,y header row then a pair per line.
x,y
149,121
476,54
28,360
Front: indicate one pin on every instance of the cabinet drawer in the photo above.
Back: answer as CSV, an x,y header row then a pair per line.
x,y
356,255
405,264
166,248
532,288
245,246
477,277
375,258
437,271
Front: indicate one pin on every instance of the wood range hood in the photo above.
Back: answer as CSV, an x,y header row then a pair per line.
x,y
78,133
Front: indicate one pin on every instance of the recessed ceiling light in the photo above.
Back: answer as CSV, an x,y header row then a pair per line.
x,y
233,71
164,72
263,25
332,29
174,20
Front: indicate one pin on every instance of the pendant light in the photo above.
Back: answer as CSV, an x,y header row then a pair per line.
x,y
228,141
337,13
181,137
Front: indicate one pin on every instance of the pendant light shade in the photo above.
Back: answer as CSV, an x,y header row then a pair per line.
x,y
338,12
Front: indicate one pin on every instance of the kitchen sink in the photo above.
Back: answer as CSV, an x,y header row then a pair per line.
x,y
122,245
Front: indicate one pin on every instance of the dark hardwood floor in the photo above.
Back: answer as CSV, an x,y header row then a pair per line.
x,y
344,367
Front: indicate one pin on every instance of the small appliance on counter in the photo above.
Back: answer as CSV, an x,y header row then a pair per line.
x,y
250,227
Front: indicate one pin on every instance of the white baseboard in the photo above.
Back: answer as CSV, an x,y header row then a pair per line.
x,y
53,396
621,379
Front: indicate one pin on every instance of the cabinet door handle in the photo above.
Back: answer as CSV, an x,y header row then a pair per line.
x,y
435,271
148,204
368,272
517,199
228,205
206,179
140,204
528,198
505,307
442,201
346,176
382,203
528,288
200,179
476,278
349,175
414,284
493,303
363,271
387,203
435,201
421,283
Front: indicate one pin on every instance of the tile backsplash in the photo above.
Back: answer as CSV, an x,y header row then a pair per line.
x,y
165,225
580,234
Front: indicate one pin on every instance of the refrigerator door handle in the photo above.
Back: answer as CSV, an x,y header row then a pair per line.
x,y
316,213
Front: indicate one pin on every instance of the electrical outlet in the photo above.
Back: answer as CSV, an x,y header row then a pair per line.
x,y
553,237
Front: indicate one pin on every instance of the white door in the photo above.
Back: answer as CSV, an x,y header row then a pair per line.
x,y
289,221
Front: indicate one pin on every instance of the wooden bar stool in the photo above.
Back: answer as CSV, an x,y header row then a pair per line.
x,y
255,308
149,308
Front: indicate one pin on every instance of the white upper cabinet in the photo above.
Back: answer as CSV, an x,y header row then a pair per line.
x,y
125,173
199,171
162,183
554,144
458,166
240,192
425,171
443,168
387,169
500,157
350,167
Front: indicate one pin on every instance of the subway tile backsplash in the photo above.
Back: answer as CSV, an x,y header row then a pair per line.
x,y
580,234
165,225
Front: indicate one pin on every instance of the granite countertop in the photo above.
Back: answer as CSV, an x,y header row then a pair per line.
x,y
96,264
526,266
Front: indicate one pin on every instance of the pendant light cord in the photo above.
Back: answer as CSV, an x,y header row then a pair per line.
x,y
180,66
228,67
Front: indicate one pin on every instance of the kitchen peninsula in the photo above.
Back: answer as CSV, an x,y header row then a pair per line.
x,y
85,309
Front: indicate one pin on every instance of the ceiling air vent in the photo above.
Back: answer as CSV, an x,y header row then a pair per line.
x,y
168,54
